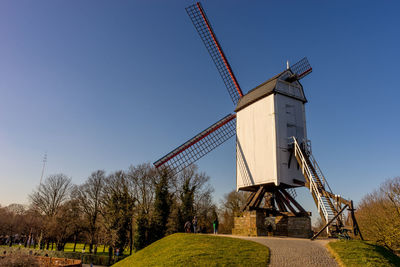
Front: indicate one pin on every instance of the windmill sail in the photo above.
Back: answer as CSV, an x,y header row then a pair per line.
x,y
198,146
301,68
203,27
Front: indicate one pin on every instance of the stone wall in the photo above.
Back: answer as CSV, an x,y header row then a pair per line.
x,y
255,223
250,223
293,226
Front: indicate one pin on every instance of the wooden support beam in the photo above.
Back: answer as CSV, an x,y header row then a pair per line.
x,y
249,199
286,202
259,198
279,202
254,201
356,229
295,203
298,182
330,221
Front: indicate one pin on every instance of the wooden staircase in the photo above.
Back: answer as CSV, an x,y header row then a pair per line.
x,y
329,205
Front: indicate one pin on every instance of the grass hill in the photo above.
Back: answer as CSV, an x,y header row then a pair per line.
x,y
361,253
199,250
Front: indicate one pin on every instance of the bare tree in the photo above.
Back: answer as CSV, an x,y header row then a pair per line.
x,y
391,189
142,186
192,195
47,200
378,214
89,197
117,209
230,206
197,180
9,224
50,195
65,224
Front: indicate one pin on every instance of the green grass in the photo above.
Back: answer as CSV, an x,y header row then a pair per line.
x,y
199,250
69,247
360,253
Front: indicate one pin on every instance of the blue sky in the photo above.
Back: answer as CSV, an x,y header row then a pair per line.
x,y
106,84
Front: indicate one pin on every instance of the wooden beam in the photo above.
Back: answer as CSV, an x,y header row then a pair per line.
x,y
295,203
354,221
286,202
330,221
279,202
249,199
298,182
259,198
255,198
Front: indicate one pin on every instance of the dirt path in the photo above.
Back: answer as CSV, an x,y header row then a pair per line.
x,y
295,251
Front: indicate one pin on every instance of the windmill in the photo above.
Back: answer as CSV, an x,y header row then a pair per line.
x,y
273,154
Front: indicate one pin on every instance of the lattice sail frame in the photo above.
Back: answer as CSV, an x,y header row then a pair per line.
x,y
218,133
301,68
198,146
207,35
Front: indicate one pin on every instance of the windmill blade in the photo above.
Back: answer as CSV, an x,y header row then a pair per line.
x,y
203,27
301,69
198,146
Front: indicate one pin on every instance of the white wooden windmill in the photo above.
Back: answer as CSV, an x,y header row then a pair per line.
x,y
272,150
267,117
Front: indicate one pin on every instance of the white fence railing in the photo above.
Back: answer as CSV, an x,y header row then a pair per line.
x,y
320,174
308,174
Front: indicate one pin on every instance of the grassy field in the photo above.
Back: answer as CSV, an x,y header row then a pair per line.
x,y
199,250
97,259
69,247
360,253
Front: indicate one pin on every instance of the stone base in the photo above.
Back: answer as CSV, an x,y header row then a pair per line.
x,y
251,223
293,226
255,223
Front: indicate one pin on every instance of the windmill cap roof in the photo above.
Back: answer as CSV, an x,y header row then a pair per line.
x,y
266,88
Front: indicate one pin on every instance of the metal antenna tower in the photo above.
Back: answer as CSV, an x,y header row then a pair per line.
x,y
44,164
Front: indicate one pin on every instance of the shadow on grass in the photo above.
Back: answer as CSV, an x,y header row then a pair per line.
x,y
386,253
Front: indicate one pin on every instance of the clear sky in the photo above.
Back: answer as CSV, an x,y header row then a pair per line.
x,y
105,84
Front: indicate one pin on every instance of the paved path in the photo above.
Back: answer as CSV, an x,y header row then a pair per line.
x,y
288,251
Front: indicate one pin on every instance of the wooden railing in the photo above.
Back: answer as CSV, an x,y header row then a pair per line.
x,y
310,179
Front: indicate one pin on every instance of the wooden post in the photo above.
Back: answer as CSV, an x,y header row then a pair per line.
x,y
248,201
331,220
286,202
295,203
279,202
259,194
356,229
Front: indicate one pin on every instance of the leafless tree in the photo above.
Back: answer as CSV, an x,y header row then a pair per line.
x,y
230,207
197,180
50,195
65,224
142,186
89,197
378,214
196,184
117,209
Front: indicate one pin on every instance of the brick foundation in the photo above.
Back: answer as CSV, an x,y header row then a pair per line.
x,y
255,223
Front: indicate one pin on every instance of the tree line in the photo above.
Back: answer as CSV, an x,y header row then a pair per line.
x,y
122,210
128,210
378,215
